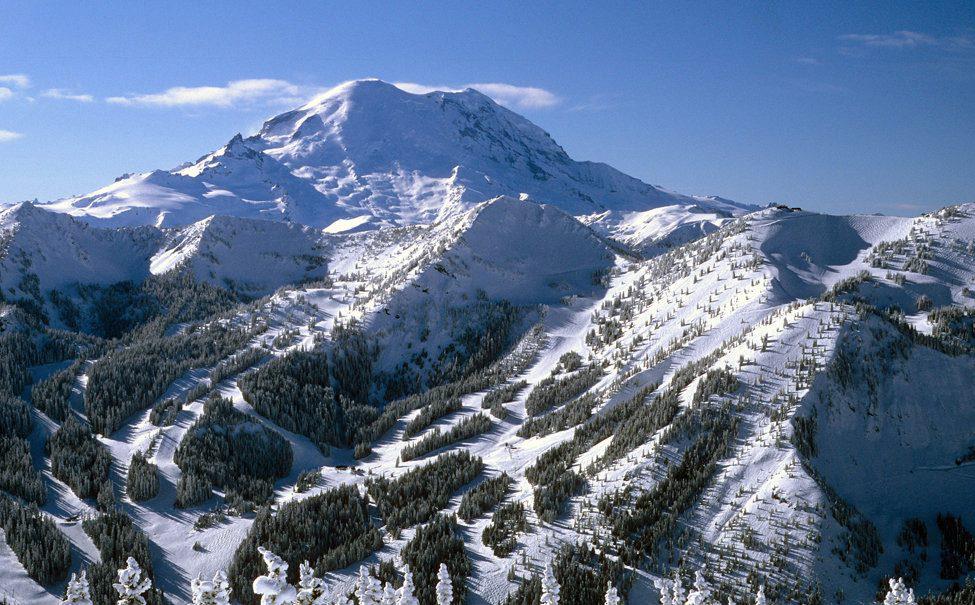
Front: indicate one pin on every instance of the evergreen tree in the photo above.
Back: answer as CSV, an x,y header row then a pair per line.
x,y
899,594
405,592
760,596
367,588
550,588
117,539
701,595
389,594
142,482
612,597
311,588
131,586
433,545
666,588
678,592
273,587
445,590
78,592
39,545
211,592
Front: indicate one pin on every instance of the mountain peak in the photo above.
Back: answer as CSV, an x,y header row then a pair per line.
x,y
367,148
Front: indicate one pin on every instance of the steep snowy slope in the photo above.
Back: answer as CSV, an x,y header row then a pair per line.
x,y
41,250
502,250
253,257
369,149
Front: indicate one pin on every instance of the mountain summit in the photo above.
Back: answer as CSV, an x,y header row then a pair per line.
x,y
368,153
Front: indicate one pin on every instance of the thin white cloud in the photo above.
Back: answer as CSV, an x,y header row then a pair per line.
x,y
235,93
509,95
9,135
5,93
905,39
815,86
60,93
17,80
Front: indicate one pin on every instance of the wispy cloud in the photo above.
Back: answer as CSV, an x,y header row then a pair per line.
x,y
815,86
60,93
509,95
905,39
9,83
808,61
9,135
233,94
15,80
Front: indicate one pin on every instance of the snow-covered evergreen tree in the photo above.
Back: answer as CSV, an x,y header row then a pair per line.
x,y
405,593
678,594
273,586
701,595
899,593
211,592
131,585
666,588
368,590
445,589
760,596
550,588
222,586
311,589
612,597
78,592
389,594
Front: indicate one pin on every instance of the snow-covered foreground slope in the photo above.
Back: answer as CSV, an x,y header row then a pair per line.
x,y
787,348
369,153
250,256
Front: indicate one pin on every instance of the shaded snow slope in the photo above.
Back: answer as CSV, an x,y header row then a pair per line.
x,y
250,256
58,250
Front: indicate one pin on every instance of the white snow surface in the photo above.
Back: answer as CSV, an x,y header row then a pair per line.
x,y
369,153
741,294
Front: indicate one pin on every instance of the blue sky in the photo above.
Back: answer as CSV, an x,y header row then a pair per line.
x,y
836,107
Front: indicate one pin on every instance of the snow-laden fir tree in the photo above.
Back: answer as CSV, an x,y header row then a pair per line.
x,y
211,592
405,593
389,594
78,592
666,588
550,588
899,593
273,586
445,589
678,595
311,588
368,590
760,595
701,595
612,597
131,585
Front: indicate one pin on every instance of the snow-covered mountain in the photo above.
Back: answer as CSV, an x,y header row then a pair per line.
x,y
772,396
367,153
806,376
42,251
250,256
